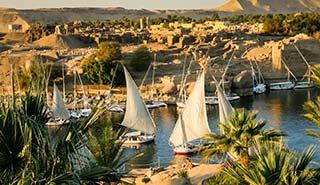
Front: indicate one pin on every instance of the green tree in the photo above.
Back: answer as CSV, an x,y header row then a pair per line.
x,y
271,163
312,107
30,155
101,67
141,58
237,137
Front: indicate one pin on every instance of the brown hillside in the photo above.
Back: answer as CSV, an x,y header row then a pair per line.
x,y
60,42
270,6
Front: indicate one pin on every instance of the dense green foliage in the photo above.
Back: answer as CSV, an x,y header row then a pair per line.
x,y
26,77
292,24
33,154
312,107
237,137
101,67
141,58
271,163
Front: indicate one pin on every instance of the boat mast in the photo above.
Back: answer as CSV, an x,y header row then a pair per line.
x,y
63,83
261,79
288,70
153,73
225,72
254,78
74,91
309,71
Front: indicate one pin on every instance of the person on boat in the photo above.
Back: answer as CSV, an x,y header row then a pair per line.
x,y
188,164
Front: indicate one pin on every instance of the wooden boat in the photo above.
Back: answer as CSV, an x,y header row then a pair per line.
x,y
287,85
155,102
281,85
304,85
258,83
137,116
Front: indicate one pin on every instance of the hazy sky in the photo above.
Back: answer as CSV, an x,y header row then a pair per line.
x,y
133,4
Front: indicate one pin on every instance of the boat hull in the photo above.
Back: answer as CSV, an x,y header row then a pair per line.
x,y
156,104
135,138
282,86
56,123
213,100
184,150
85,112
303,85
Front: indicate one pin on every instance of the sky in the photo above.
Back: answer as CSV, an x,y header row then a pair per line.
x,y
130,4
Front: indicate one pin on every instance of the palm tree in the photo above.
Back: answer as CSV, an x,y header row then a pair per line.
x,y
312,108
29,155
107,153
237,137
313,114
273,163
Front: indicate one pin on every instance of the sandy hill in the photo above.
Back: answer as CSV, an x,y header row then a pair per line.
x,y
60,42
270,6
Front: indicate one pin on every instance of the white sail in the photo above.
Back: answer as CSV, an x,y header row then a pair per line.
x,y
193,122
137,116
59,111
225,108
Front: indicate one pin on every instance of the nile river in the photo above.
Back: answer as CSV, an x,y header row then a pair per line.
x,y
281,109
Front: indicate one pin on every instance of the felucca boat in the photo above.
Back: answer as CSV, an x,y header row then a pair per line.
x,y
213,100
86,110
308,83
192,123
182,93
137,116
60,115
284,85
155,102
259,86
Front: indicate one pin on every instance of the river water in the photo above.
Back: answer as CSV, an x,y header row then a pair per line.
x,y
281,109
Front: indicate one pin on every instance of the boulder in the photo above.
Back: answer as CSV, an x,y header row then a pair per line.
x,y
167,85
243,80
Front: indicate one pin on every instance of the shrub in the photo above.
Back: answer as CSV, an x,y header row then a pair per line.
x,y
102,66
183,173
145,180
141,59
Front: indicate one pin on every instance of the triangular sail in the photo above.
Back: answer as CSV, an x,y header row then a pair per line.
x,y
193,122
59,111
225,108
137,116
179,136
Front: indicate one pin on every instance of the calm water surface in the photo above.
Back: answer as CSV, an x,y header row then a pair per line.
x,y
281,109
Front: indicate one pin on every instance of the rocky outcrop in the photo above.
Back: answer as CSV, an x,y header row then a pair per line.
x,y
167,85
242,83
